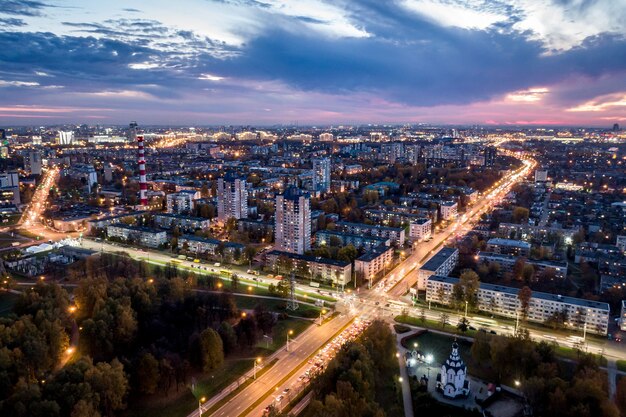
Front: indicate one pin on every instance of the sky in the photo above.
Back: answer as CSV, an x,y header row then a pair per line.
x,y
313,62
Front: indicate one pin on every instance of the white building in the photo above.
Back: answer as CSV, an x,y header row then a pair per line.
x,y
582,315
621,243
541,175
321,175
232,198
326,137
371,263
449,210
293,221
144,236
442,263
170,220
451,381
65,138
395,234
181,201
420,229
204,245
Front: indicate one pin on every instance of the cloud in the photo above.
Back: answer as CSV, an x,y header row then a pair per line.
x,y
4,83
8,22
528,96
22,7
603,103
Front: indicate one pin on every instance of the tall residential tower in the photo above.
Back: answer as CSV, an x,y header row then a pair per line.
x,y
293,221
232,198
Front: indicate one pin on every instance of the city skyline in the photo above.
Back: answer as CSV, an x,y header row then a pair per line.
x,y
313,62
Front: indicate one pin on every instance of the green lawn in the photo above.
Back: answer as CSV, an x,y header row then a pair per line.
x,y
7,301
303,310
621,365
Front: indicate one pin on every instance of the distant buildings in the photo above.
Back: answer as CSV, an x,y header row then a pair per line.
x,y
507,263
326,238
321,175
65,138
490,154
10,188
580,314
541,175
293,221
32,162
84,172
185,223
182,201
326,137
203,245
232,198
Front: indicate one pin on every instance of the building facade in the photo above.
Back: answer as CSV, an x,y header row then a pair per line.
x,y
292,230
449,210
326,237
395,234
339,273
186,223
420,229
232,198
152,238
321,175
582,315
182,201
442,263
369,265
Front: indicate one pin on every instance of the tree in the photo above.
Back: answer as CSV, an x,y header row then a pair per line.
x,y
147,374
229,337
423,315
470,283
520,214
524,295
109,381
463,324
444,319
249,253
234,282
528,273
211,350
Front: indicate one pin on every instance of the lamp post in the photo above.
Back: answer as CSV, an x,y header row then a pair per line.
x,y
289,333
322,311
466,309
429,359
256,362
200,401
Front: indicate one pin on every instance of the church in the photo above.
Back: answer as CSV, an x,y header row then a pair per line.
x,y
451,380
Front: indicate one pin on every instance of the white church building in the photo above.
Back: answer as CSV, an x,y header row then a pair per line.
x,y
451,380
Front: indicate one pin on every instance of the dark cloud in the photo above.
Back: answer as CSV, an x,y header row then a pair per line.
x,y
7,23
22,7
404,59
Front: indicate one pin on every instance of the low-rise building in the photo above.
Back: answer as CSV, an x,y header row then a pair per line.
x,y
449,210
582,315
508,246
337,272
395,234
420,229
186,223
507,263
622,321
205,245
326,237
104,222
442,263
145,236
369,265
181,201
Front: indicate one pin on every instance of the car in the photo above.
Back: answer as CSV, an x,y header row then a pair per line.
x,y
492,332
279,398
286,390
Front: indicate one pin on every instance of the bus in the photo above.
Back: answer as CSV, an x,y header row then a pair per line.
x,y
176,261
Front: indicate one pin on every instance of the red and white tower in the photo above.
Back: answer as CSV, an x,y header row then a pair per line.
x,y
141,160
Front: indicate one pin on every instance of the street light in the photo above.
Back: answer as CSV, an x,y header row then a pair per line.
x,y
429,360
200,401
289,333
465,309
256,362
322,311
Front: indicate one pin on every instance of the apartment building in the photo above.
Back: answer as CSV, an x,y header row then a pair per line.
x,y
293,221
325,237
442,263
395,234
592,316
337,272
186,223
508,247
144,236
420,229
507,263
372,263
232,198
204,245
449,210
181,201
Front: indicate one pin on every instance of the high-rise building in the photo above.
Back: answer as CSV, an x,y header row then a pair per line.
x,y
321,175
616,127
108,172
541,175
232,198
32,162
490,156
293,221
65,138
